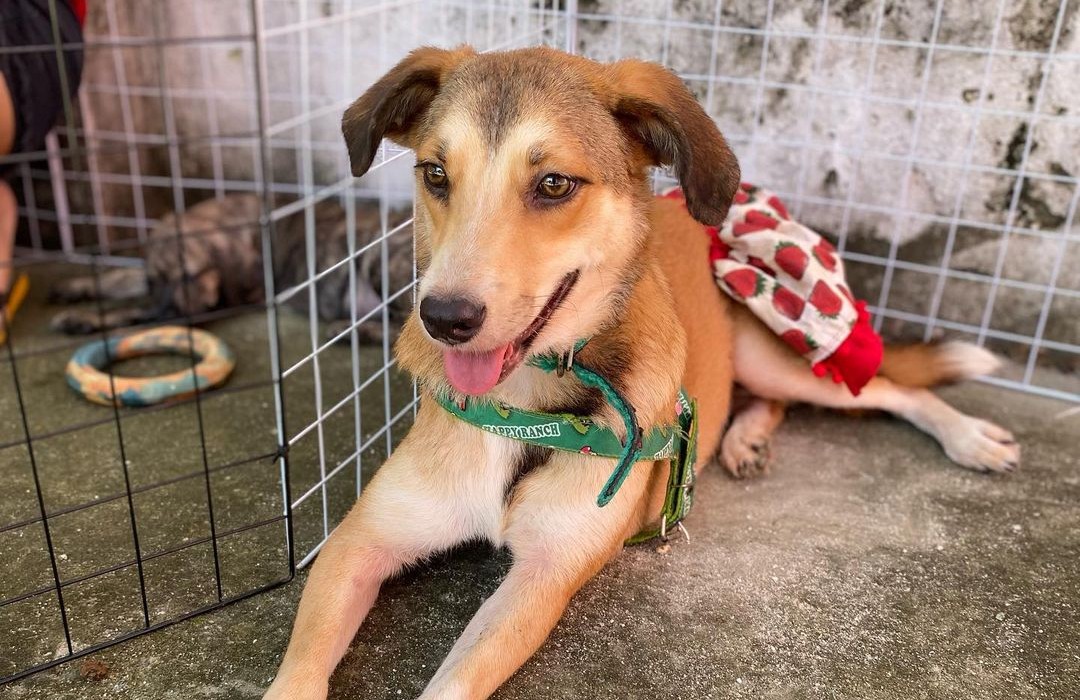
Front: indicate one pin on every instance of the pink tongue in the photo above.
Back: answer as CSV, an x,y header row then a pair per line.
x,y
475,373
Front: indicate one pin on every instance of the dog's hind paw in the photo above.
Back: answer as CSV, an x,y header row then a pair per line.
x,y
75,323
983,446
745,456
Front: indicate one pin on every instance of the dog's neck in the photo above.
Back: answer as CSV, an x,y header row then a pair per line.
x,y
640,349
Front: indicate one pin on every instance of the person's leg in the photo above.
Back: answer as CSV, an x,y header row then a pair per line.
x,y
8,217
13,289
32,87
8,220
7,118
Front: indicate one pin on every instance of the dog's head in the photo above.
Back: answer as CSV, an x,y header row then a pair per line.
x,y
532,191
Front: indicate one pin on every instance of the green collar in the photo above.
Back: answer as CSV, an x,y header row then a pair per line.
x,y
570,433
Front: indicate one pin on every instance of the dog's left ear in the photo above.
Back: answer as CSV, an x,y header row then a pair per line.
x,y
659,112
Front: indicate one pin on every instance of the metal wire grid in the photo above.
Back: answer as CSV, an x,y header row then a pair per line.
x,y
73,510
913,296
485,25
292,143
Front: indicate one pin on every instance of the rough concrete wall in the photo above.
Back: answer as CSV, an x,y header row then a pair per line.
x,y
861,148
211,81
211,89
841,126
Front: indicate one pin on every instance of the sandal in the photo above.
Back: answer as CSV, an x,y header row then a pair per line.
x,y
11,301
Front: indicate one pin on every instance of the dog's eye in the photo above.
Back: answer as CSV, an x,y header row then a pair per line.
x,y
555,186
435,176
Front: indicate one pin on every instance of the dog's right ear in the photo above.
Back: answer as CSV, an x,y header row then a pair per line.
x,y
393,106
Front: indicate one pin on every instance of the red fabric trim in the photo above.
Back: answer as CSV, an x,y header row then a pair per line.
x,y
79,8
718,250
858,358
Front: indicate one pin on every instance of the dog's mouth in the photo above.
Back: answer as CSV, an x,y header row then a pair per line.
x,y
476,373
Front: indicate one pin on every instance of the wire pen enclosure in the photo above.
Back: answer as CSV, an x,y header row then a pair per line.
x,y
936,142
117,521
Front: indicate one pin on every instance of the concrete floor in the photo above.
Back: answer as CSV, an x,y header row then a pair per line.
x,y
864,566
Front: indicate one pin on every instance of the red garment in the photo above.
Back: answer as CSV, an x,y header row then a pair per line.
x,y
791,278
858,358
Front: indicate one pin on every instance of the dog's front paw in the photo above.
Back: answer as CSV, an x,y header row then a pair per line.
x,y
745,455
75,322
285,689
983,446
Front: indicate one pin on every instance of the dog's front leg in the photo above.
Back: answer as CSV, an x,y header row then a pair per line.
x,y
508,628
401,517
559,539
343,585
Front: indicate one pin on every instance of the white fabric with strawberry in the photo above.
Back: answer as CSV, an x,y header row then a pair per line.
x,y
791,278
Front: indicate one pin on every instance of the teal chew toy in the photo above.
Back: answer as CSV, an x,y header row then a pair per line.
x,y
87,370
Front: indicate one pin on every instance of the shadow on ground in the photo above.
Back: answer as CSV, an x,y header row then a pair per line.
x,y
864,566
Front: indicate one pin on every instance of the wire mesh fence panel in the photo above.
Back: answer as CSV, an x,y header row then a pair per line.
x,y
934,142
346,403
198,178
123,520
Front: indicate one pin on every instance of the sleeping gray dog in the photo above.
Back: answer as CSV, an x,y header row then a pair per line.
x,y
216,262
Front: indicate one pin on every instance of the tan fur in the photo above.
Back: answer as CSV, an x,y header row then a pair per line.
x,y
912,365
766,367
926,365
645,297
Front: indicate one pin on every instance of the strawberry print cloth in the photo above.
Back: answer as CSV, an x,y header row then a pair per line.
x,y
792,279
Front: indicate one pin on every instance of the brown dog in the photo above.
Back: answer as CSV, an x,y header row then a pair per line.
x,y
536,227
210,257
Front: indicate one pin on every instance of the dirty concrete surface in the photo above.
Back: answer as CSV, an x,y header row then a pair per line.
x,y
863,566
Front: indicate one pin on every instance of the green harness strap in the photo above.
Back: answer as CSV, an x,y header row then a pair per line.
x,y
681,477
569,433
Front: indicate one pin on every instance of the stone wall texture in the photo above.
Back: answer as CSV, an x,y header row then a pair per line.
x,y
895,148
897,133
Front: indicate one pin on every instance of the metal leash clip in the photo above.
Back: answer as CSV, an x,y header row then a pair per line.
x,y
678,524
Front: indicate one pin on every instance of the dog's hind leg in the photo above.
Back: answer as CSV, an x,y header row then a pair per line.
x,y
120,284
770,370
83,321
745,447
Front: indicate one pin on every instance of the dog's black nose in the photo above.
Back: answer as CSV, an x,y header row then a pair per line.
x,y
452,320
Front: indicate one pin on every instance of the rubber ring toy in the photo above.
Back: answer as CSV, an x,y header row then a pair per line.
x,y
85,371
